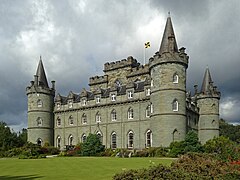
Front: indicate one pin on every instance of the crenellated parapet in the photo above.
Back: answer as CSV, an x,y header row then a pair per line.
x,y
140,70
98,80
129,62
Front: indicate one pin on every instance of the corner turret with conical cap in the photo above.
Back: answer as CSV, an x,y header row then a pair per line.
x,y
208,103
168,91
40,108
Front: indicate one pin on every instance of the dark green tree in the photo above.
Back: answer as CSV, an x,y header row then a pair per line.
x,y
229,130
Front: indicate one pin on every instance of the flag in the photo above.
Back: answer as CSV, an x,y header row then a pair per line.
x,y
147,44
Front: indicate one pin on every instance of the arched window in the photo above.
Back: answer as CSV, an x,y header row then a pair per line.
x,y
130,139
98,117
70,120
176,135
84,119
175,105
114,140
58,106
70,103
99,134
130,113
39,103
70,140
149,138
39,122
84,138
58,142
58,121
39,141
148,111
175,78
114,115
148,92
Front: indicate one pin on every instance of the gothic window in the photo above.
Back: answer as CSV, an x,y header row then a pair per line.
x,y
39,103
118,83
114,140
175,105
113,97
214,122
39,121
84,119
176,135
130,113
84,138
148,111
58,142
130,139
130,94
70,120
114,115
175,78
98,117
70,104
70,140
149,138
39,142
99,135
58,121
148,92
98,99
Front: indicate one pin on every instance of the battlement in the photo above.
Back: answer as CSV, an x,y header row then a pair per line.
x,y
129,62
98,80
136,71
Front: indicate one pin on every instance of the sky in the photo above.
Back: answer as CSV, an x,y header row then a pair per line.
x,y
76,37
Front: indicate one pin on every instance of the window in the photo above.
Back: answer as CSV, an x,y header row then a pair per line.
x,y
175,105
70,140
148,92
98,99
39,103
118,83
70,120
114,115
98,117
148,111
70,104
39,141
84,138
151,108
130,139
58,142
130,113
58,106
175,78
149,138
113,97
176,135
114,140
58,121
99,135
152,83
84,102
130,94
39,121
84,119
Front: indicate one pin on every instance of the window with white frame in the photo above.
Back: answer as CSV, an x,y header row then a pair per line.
x,y
70,119
84,119
39,103
114,115
130,94
113,97
58,121
58,106
98,99
70,104
58,142
70,140
151,108
149,138
148,92
152,83
175,78
39,121
84,102
175,105
130,139
130,113
148,111
98,117
114,140
84,138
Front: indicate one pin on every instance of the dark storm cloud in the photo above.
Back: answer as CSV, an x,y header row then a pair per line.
x,y
76,37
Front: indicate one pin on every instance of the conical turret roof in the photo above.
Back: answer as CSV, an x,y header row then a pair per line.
x,y
42,79
168,43
206,81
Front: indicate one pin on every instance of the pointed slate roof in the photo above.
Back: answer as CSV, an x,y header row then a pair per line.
x,y
206,81
168,38
42,79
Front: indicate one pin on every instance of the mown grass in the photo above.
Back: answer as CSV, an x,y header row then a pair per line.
x,y
70,168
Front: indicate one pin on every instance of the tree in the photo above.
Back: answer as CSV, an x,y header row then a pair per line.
x,y
229,130
92,146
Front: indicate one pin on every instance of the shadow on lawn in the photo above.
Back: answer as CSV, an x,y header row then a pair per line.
x,y
27,177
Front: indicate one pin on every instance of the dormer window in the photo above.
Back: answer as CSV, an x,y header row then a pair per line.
x,y
39,103
175,78
148,92
70,104
58,106
98,99
113,97
130,94
84,102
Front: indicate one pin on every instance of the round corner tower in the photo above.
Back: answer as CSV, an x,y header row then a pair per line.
x,y
40,108
168,92
208,104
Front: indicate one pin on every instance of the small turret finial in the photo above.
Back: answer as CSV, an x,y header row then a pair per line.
x,y
40,57
169,14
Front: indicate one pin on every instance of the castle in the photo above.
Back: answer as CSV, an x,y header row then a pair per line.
x,y
131,106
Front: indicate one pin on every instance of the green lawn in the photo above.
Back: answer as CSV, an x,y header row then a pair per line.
x,y
70,168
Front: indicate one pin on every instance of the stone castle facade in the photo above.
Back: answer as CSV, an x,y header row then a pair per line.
x,y
131,106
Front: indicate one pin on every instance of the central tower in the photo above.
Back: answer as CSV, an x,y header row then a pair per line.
x,y
168,90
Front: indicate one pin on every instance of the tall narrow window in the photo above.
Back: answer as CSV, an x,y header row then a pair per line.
x,y
149,138
84,119
70,104
130,94
70,140
39,121
98,99
148,111
175,78
39,141
98,117
113,97
148,92
114,140
59,142
84,138
130,139
58,106
114,115
99,135
84,102
58,121
70,120
151,108
175,105
130,113
39,103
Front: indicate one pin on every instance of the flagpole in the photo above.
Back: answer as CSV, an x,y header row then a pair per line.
x,y
144,56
